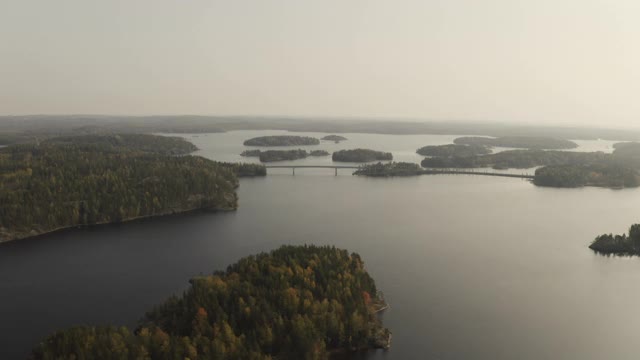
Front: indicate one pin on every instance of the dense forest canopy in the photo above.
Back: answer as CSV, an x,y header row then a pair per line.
x,y
163,145
609,174
389,169
282,155
619,244
84,181
522,142
282,140
297,302
454,150
319,153
519,159
361,155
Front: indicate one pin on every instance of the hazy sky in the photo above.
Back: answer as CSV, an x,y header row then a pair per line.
x,y
547,61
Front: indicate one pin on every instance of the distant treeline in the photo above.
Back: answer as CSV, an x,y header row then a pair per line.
x,y
390,169
282,140
522,142
297,302
20,129
361,155
282,155
454,150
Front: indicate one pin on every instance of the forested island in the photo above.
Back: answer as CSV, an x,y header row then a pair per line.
x,y
282,140
335,138
522,142
618,244
62,183
518,159
610,175
361,155
282,155
390,169
559,168
456,150
296,302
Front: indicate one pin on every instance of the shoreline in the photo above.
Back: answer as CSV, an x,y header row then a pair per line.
x,y
129,220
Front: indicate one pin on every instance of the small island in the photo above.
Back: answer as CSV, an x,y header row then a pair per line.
x,y
454,150
296,302
361,155
251,153
282,155
282,140
335,138
390,169
618,244
521,142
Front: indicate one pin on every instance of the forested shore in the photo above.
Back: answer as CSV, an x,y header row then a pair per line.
x,y
296,302
81,181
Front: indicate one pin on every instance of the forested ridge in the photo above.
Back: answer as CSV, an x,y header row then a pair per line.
x,y
297,302
163,145
70,182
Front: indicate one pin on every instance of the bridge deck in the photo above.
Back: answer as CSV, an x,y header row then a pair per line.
x,y
430,171
312,166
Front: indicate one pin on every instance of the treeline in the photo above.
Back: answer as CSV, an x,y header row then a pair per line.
x,y
282,140
163,145
519,159
297,302
521,142
361,155
389,169
245,169
282,155
75,182
619,244
609,175
451,150
335,138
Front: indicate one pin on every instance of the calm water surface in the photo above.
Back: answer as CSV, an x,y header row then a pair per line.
x,y
473,267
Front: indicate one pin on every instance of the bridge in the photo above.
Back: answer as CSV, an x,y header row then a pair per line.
x,y
294,167
471,172
430,171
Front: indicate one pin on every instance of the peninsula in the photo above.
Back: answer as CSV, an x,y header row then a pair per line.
x,y
70,182
296,302
282,140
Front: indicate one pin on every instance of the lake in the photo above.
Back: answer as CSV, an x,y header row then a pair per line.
x,y
473,267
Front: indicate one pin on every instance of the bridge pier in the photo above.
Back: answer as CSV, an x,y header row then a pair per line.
x,y
294,171
336,171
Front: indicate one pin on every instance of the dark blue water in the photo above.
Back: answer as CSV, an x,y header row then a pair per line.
x,y
473,267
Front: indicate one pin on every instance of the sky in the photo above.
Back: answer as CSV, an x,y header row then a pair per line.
x,y
537,61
